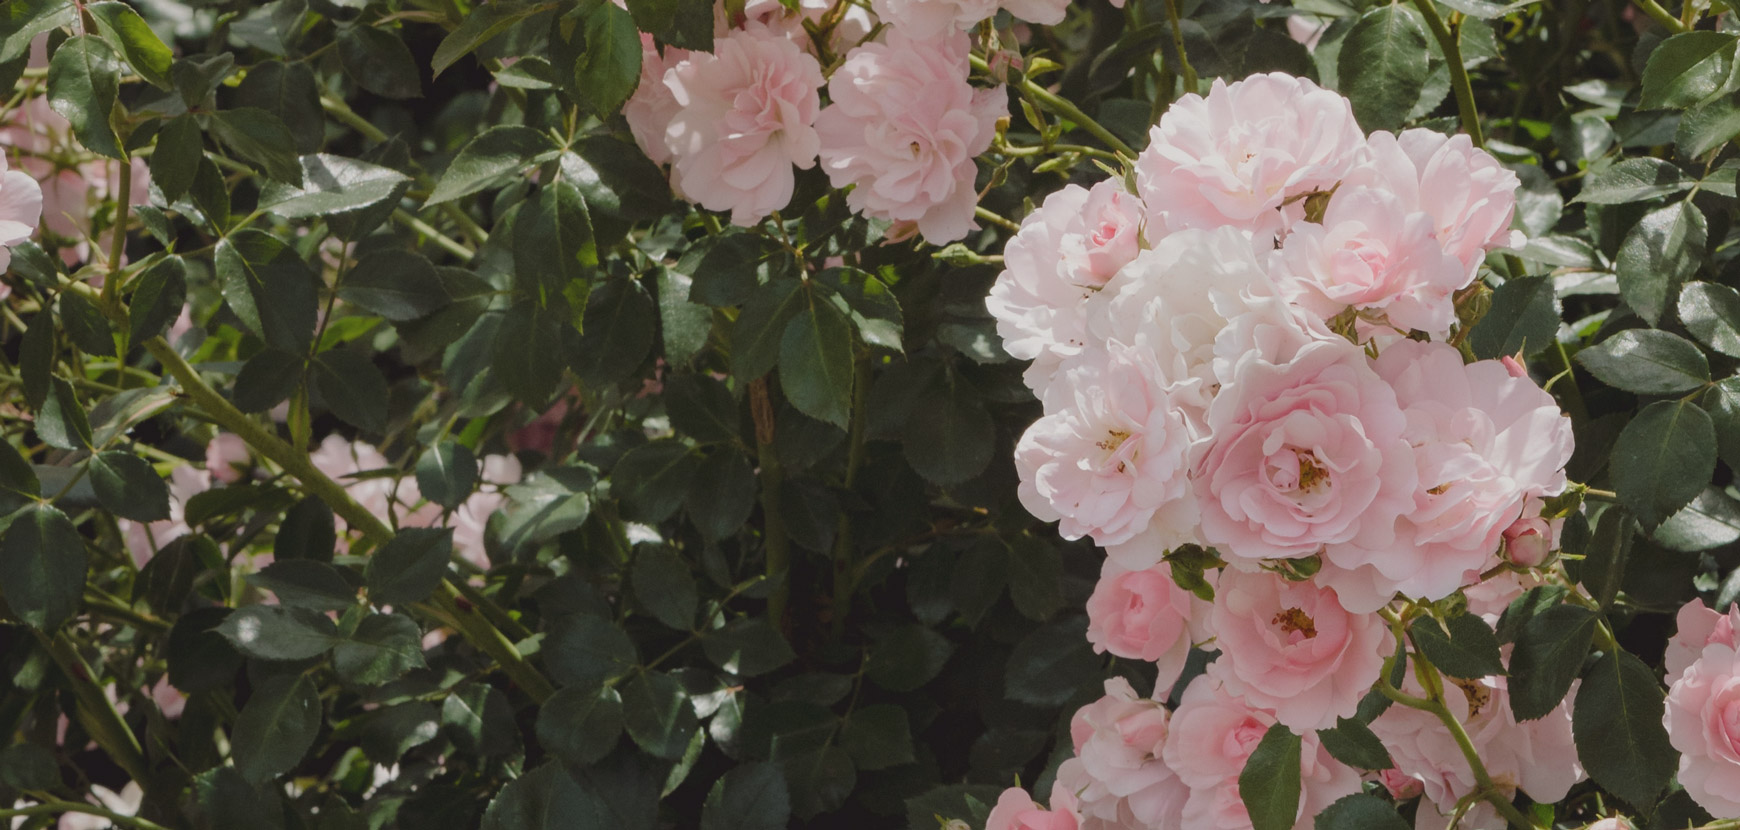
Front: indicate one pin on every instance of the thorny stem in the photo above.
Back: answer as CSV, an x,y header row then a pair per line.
x,y
1064,108
845,551
1662,16
1185,70
1448,41
778,543
996,219
118,245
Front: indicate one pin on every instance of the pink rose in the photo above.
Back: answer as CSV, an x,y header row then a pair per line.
x,y
1470,196
1612,823
1117,771
935,18
1016,810
1290,647
904,128
1065,252
1698,627
1144,615
1484,442
1305,455
472,517
226,456
652,106
1370,253
1400,786
1703,723
744,117
1235,156
1212,734
347,461
1109,455
1529,541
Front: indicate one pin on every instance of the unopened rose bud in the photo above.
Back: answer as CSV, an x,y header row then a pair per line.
x,y
1002,62
1400,786
1516,369
1529,542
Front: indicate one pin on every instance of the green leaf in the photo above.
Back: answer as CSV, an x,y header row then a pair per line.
x,y
1383,65
1361,812
126,30
266,380
679,23
1710,521
1617,723
1722,402
382,649
1353,743
727,269
161,292
1269,783
261,139
334,184
748,797
275,632
1524,318
410,566
616,178
663,585
1035,578
747,647
269,287
877,737
760,327
582,650
872,306
22,20
528,351
610,69
36,360
394,730
722,495
701,408
1687,69
620,323
1634,179
494,153
42,566
620,792
1047,666
379,62
815,363
1647,362
482,24
85,326
1603,567
909,656
61,422
1462,646
307,531
353,389
950,436
978,578
306,583
277,727
16,474
685,325
446,473
580,725
1660,253
288,89
26,766
397,285
1708,126
477,716
1663,459
1549,652
553,241
545,505
651,480
658,715
84,81
211,195
176,159
200,657
128,486
1711,313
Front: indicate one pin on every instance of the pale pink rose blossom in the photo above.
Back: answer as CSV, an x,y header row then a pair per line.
x,y
472,517
226,457
1063,255
1484,442
1529,541
1470,196
1235,156
1110,457
1211,736
745,116
170,701
1016,810
1400,786
1698,626
935,18
1291,648
344,461
1612,823
904,128
1490,597
1144,615
652,106
1305,456
1117,773
1703,723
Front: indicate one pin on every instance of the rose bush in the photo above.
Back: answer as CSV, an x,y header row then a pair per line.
x,y
1013,415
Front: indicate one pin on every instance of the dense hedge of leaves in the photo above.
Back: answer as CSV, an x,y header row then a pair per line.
x,y
766,566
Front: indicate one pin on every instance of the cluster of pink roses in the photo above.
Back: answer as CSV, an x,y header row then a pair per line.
x,y
901,127
1250,354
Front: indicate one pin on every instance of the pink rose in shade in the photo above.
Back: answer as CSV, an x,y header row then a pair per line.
x,y
20,209
1235,156
1291,648
1144,615
350,463
472,518
1118,741
904,128
1211,736
1400,786
1372,255
745,116
144,540
1470,196
652,106
1698,627
170,701
226,457
1159,805
936,18
1064,253
1490,597
1016,810
1484,443
1305,455
1703,723
1110,457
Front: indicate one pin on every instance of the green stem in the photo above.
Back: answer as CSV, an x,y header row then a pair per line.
x,y
845,548
1057,105
118,244
1662,16
777,543
57,807
1448,42
95,711
1000,221
474,627
440,239
1185,70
